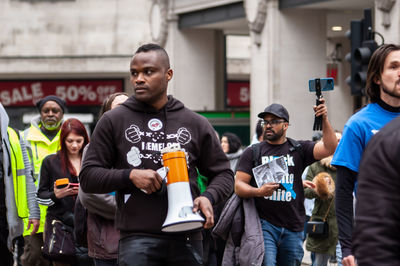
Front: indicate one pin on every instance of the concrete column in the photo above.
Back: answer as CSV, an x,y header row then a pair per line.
x,y
387,20
170,46
263,72
192,53
292,51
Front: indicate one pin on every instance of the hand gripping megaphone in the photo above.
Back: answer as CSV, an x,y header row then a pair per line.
x,y
180,216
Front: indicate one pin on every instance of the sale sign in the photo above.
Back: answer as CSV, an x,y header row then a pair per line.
x,y
74,92
238,94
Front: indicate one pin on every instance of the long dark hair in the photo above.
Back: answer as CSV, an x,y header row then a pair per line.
x,y
375,69
234,142
75,126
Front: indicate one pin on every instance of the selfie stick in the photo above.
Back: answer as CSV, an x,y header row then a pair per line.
x,y
318,119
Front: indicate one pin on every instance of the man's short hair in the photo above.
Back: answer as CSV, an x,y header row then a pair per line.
x,y
375,69
154,47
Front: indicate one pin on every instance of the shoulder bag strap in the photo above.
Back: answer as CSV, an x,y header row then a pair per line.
x,y
327,212
256,154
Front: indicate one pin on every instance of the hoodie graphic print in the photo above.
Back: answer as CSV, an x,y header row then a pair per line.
x,y
150,139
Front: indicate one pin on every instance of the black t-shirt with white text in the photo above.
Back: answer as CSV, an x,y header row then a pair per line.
x,y
285,208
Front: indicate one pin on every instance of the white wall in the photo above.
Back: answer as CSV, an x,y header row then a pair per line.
x,y
302,57
340,101
193,57
71,29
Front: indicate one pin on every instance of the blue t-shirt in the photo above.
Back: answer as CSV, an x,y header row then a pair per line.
x,y
357,132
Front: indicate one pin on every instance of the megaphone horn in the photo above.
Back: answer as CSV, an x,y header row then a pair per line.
x,y
180,216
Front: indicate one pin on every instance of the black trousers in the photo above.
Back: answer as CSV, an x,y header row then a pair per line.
x,y
160,251
5,255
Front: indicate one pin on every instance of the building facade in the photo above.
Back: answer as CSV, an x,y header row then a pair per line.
x,y
230,58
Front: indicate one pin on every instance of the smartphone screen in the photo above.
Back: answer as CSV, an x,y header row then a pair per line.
x,y
327,84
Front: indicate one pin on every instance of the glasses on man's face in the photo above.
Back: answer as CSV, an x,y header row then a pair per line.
x,y
272,122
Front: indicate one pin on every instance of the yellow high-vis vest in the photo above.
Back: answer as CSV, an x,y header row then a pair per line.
x,y
39,146
18,173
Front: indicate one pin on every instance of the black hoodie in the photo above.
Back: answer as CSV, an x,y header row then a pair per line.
x,y
132,136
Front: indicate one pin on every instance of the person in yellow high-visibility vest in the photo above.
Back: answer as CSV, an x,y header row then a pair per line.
x,y
11,225
42,138
24,186
18,190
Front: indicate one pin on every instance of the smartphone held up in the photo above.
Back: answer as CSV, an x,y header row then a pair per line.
x,y
318,85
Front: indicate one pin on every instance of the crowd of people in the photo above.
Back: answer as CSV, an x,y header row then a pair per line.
x,y
65,201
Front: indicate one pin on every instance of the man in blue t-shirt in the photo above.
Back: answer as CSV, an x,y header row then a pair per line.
x,y
383,89
281,206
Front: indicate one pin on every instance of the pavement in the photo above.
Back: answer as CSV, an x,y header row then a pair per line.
x,y
307,257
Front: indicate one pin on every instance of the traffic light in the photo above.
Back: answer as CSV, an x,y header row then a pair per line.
x,y
363,56
362,48
355,36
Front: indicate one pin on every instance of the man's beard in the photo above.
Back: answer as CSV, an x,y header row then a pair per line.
x,y
52,126
393,93
275,136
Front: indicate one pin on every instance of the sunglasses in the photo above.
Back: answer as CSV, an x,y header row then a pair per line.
x,y
272,122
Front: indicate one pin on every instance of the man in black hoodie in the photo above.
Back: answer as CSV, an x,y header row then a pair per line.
x,y
124,155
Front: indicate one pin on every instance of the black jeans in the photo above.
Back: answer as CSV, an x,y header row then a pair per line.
x,y
160,251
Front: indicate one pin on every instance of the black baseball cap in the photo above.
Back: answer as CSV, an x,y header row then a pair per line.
x,y
275,109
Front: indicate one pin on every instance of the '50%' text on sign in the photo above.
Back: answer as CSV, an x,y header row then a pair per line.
x,y
74,92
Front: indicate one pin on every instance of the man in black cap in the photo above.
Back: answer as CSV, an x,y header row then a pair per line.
x,y
281,206
42,138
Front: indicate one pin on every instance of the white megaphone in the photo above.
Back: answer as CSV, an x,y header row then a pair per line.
x,y
180,216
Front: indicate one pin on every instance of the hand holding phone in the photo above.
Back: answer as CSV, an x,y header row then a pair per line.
x,y
63,188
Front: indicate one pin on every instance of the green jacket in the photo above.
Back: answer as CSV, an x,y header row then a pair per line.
x,y
39,146
322,245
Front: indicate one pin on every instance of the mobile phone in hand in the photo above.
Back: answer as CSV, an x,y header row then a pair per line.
x,y
62,182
